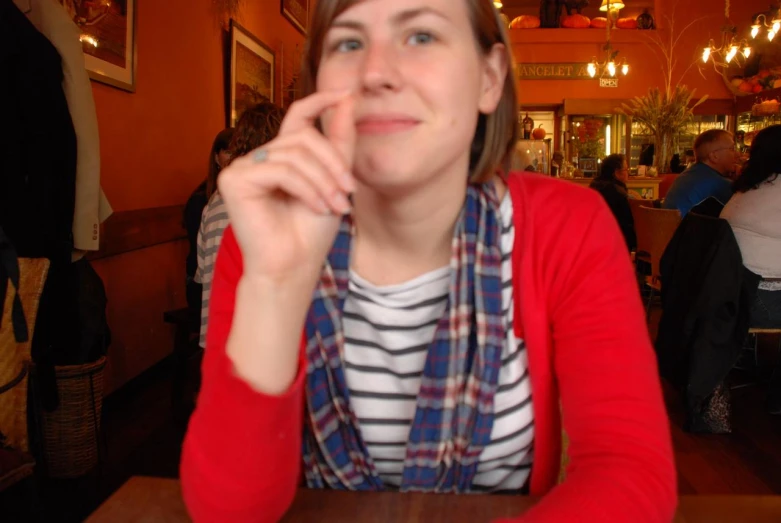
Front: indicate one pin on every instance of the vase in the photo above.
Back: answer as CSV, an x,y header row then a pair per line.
x,y
663,151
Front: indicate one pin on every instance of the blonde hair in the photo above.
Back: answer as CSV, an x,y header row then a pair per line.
x,y
496,133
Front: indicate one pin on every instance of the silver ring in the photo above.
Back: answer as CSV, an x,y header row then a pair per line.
x,y
260,155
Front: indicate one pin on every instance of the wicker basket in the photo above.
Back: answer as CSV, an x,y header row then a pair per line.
x,y
70,433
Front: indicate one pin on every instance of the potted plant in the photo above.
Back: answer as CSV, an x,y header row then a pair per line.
x,y
665,112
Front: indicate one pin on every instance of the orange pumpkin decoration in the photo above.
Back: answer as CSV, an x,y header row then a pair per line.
x,y
538,133
575,21
599,22
626,23
525,22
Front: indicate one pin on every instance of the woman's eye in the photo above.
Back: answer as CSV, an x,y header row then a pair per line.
x,y
421,38
347,45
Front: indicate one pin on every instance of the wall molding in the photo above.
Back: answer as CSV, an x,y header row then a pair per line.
x,y
127,231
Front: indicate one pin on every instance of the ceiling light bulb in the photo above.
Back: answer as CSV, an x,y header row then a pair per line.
x,y
732,52
625,69
592,69
498,5
776,25
754,31
746,52
770,35
611,68
705,54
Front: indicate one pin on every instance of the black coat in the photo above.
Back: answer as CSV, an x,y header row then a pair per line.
x,y
616,196
38,180
706,299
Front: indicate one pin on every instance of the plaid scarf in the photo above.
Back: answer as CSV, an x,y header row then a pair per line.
x,y
455,405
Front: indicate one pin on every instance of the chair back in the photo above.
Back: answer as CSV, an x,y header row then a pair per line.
x,y
15,357
643,242
656,228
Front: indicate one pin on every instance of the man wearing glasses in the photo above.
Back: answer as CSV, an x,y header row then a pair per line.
x,y
715,155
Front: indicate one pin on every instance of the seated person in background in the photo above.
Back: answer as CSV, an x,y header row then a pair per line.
x,y
219,157
715,153
754,213
557,162
676,165
257,125
611,184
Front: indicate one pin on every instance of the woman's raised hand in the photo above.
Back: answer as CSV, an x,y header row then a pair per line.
x,y
285,199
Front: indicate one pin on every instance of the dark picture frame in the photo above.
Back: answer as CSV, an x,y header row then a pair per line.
x,y
108,38
297,12
252,72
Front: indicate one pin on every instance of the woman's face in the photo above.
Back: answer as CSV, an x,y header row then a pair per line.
x,y
222,158
419,82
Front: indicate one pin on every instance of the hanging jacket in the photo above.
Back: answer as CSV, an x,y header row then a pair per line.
x,y
38,178
706,299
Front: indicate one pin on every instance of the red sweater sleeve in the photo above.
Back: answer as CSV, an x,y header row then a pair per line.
x,y
621,461
242,451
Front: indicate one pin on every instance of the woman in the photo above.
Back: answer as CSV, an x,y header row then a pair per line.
x,y
611,184
256,126
754,212
219,157
456,313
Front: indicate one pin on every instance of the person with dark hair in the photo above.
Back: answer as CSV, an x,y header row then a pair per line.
x,y
754,213
715,156
611,184
193,209
257,125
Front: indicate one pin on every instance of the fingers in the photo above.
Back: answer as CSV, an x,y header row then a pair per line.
x,y
311,142
341,129
303,113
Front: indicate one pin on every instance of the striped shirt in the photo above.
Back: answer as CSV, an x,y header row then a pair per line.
x,y
388,331
213,223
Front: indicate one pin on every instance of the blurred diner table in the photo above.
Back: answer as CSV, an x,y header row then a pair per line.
x,y
152,500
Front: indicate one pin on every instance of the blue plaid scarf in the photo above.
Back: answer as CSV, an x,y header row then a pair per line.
x,y
455,405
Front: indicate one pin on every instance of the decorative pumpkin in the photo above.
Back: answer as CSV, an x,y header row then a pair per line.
x,y
646,21
626,23
575,21
538,133
599,22
525,22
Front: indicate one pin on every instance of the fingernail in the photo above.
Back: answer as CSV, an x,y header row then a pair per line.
x,y
324,208
341,203
348,181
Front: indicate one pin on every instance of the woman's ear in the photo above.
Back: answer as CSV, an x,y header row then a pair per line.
x,y
495,70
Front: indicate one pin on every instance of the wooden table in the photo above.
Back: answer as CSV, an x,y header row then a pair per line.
x,y
153,500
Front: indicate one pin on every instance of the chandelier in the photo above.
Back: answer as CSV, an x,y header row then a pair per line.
x,y
730,47
772,28
609,66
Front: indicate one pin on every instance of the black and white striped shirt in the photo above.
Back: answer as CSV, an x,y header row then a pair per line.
x,y
388,331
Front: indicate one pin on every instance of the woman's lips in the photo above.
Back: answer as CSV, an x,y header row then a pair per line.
x,y
385,124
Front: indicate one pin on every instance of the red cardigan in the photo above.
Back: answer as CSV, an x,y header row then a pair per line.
x,y
591,365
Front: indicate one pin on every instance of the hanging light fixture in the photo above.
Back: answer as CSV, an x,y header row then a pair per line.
x,y
761,23
609,67
730,48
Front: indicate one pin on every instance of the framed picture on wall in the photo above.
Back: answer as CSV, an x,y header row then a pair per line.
x,y
108,39
251,72
297,11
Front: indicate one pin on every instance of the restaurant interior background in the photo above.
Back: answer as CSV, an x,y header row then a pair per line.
x,y
154,140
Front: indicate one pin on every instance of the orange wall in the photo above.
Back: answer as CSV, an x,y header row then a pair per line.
x,y
546,45
154,150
